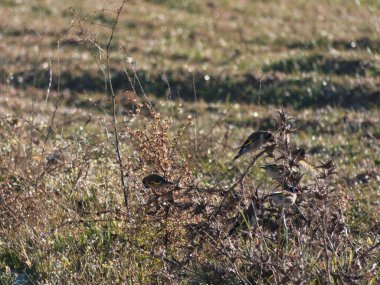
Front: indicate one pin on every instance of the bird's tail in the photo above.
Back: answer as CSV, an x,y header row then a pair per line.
x,y
236,157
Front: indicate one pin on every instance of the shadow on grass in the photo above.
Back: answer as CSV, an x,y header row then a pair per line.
x,y
363,43
295,92
325,65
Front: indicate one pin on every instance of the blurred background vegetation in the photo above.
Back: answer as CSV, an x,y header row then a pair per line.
x,y
303,53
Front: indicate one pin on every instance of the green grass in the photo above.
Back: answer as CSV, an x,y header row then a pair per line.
x,y
223,40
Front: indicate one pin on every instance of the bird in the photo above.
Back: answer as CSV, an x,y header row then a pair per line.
x,y
286,198
254,142
298,154
277,172
298,159
245,220
155,181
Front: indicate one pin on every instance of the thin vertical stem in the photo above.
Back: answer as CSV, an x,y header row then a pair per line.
x,y
114,120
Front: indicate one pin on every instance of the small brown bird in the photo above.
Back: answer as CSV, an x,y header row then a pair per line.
x,y
254,142
276,172
284,199
245,220
155,181
298,154
298,159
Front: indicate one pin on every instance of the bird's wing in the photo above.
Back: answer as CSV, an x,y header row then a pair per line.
x,y
247,142
157,182
269,166
253,138
279,194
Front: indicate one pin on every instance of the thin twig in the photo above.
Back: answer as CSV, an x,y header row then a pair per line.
x,y
114,120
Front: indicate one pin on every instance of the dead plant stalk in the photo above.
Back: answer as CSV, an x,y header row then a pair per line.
x,y
113,98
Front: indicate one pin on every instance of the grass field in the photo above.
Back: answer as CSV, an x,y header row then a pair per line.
x,y
88,108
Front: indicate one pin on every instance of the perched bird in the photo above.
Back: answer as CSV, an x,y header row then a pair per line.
x,y
254,142
245,220
277,172
155,181
298,154
298,159
284,199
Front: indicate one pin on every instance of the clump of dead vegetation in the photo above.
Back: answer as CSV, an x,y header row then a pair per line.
x,y
63,212
234,235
